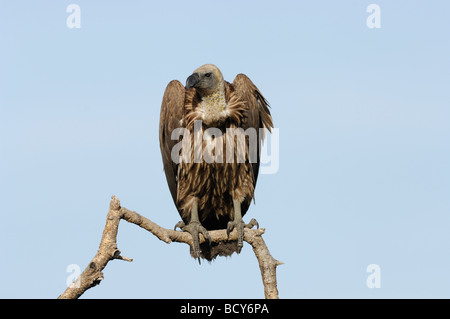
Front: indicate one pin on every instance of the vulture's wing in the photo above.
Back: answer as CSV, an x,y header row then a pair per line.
x,y
258,114
172,114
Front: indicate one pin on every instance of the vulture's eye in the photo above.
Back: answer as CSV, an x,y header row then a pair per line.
x,y
208,74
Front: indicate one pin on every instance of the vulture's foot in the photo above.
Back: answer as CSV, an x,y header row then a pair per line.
x,y
195,229
240,225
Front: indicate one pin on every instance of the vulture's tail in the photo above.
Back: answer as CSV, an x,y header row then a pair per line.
x,y
210,252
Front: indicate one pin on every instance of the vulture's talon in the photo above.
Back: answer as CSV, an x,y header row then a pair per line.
x,y
253,223
179,225
195,229
205,234
230,227
239,225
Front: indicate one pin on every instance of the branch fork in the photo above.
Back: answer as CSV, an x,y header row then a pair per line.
x,y
92,274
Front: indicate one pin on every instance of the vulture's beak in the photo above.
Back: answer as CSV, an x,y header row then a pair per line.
x,y
192,80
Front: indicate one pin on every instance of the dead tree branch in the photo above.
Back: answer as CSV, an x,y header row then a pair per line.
x,y
107,251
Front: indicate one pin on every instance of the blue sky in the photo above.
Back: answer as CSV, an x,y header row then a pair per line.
x,y
364,122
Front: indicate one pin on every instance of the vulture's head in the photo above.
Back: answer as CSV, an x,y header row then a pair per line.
x,y
206,79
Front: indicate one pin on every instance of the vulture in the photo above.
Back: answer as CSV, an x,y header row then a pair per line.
x,y
210,136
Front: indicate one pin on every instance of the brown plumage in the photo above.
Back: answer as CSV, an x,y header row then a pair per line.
x,y
207,192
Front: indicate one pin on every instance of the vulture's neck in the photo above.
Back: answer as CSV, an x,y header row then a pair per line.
x,y
214,107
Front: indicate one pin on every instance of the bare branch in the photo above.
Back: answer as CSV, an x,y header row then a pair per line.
x,y
107,250
267,265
